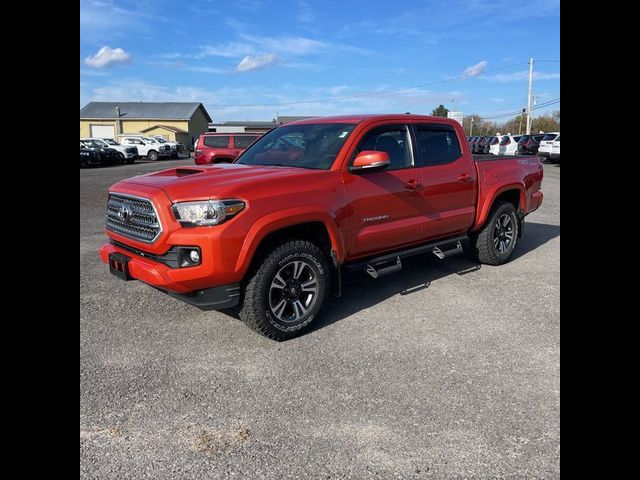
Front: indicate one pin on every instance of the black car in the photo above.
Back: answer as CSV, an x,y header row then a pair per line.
x,y
529,144
476,145
108,156
89,157
482,144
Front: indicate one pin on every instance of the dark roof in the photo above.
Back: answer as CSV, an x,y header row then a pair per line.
x,y
143,110
166,127
238,123
292,118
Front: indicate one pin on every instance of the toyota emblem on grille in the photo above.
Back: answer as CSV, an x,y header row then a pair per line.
x,y
124,212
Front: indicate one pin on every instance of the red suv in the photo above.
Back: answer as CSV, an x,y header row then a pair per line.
x,y
222,147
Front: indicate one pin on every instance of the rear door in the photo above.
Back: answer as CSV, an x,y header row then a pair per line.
x,y
385,207
449,180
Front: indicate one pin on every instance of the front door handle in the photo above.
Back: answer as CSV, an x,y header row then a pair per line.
x,y
465,177
412,185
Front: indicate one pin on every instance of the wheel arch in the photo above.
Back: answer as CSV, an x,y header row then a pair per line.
x,y
318,227
514,194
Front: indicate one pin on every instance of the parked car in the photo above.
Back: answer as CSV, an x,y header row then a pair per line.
x,y
472,141
222,147
494,145
177,148
529,144
476,145
108,156
89,156
147,147
305,202
509,145
555,150
544,152
126,153
483,147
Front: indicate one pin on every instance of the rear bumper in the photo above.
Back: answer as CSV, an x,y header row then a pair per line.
x,y
536,201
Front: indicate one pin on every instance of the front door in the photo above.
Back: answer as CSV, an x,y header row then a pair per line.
x,y
385,207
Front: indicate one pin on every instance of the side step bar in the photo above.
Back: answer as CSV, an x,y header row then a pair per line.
x,y
392,262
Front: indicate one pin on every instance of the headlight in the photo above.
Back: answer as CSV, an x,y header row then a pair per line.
x,y
207,212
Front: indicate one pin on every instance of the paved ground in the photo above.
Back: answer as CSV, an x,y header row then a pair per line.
x,y
440,371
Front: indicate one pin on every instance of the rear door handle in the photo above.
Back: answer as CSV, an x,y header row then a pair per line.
x,y
412,184
465,177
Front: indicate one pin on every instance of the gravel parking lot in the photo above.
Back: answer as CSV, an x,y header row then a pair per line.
x,y
444,370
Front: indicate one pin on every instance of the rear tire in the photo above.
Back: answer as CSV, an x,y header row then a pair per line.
x,y
286,292
495,243
152,155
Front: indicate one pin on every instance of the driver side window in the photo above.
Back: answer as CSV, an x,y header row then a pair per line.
x,y
394,140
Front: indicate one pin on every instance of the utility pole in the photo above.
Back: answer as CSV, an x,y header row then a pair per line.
x,y
521,116
535,100
529,96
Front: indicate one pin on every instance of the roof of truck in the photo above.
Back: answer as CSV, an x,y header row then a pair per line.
x,y
372,117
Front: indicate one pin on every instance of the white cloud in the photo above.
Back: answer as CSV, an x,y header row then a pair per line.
x,y
227,50
316,101
476,69
107,56
254,63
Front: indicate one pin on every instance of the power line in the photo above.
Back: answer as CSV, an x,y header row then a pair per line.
x,y
369,94
517,112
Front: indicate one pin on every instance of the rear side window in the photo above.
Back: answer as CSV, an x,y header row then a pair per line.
x,y
549,137
437,144
218,141
243,141
495,141
505,140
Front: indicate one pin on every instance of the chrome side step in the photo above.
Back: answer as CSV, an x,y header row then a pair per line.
x,y
376,271
447,253
392,262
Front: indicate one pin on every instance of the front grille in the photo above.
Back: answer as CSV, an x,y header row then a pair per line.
x,y
133,217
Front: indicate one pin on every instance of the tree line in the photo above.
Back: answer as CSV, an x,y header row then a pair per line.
x,y
515,125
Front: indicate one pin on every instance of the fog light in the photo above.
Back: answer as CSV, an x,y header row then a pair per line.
x,y
194,256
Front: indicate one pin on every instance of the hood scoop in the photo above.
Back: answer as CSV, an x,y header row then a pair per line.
x,y
178,172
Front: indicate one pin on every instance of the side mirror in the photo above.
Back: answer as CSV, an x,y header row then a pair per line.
x,y
370,161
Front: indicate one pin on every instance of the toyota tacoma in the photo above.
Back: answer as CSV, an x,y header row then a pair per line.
x,y
273,232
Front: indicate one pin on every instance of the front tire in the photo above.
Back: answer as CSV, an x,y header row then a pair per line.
x,y
495,243
152,155
285,294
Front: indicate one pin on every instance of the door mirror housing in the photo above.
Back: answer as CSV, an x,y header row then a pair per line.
x,y
370,161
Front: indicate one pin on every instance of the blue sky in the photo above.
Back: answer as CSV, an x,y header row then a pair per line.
x,y
253,59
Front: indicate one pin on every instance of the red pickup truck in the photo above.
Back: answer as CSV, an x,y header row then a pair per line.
x,y
274,230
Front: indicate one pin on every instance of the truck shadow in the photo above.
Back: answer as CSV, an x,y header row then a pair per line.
x,y
360,291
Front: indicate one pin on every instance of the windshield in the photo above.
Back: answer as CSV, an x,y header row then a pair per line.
x,y
93,144
161,140
311,145
110,141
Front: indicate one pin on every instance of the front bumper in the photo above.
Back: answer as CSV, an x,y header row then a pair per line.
x,y
129,266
